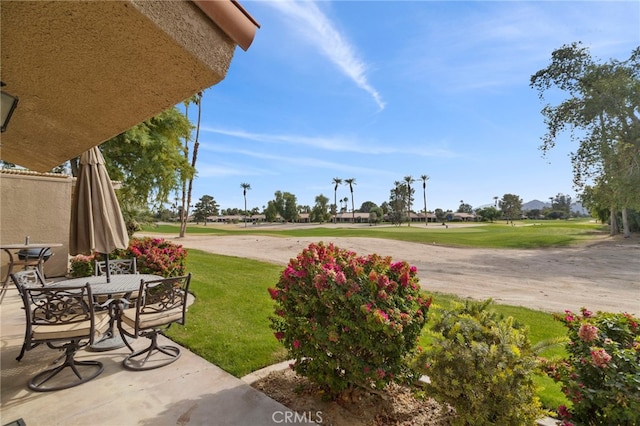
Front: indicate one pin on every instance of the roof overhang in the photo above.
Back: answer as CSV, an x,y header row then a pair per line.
x,y
85,71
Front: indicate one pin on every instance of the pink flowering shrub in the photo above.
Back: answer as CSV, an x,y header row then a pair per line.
x,y
82,266
588,332
601,377
153,256
157,256
347,320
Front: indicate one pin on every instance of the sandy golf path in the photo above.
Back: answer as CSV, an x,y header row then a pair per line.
x,y
603,275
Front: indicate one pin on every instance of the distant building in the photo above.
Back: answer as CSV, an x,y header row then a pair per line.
x,y
235,218
461,217
346,217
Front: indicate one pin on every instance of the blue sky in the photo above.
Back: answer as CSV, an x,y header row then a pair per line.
x,y
378,90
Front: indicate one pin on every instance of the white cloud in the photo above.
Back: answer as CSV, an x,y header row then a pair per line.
x,y
335,143
316,27
500,44
304,162
217,170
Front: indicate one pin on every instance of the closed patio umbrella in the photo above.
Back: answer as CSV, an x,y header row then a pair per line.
x,y
96,220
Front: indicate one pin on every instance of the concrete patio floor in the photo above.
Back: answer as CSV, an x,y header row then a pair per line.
x,y
190,391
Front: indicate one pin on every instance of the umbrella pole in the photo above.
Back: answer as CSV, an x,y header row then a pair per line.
x,y
106,266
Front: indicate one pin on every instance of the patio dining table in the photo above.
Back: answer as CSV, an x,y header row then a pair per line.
x,y
123,284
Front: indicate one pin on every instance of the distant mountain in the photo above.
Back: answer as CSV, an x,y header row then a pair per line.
x,y
576,207
531,205
535,205
579,208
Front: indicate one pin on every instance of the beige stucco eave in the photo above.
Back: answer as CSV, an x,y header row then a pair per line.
x,y
85,71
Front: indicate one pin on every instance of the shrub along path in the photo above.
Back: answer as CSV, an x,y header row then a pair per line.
x,y
603,275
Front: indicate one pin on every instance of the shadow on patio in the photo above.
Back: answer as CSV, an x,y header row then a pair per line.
x,y
191,391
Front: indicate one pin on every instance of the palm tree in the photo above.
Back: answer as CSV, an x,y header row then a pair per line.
x,y
425,178
336,181
409,180
245,187
398,202
351,182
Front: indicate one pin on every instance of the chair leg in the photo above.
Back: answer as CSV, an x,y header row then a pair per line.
x,y
117,313
172,352
124,338
24,348
38,382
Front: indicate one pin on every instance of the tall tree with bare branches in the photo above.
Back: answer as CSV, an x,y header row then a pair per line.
x,y
601,110
186,192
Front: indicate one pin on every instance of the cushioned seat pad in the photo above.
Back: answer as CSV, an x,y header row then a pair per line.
x,y
153,319
68,331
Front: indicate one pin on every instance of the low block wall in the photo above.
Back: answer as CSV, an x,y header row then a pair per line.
x,y
37,205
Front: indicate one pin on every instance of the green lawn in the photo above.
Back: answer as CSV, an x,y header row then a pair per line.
x,y
526,234
229,323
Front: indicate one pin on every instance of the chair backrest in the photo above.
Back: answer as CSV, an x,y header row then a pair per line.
x,y
116,267
59,313
29,277
163,300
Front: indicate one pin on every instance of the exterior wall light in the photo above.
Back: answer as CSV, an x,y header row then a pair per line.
x,y
7,106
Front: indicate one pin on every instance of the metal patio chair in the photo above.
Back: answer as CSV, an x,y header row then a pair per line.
x,y
64,318
28,277
32,278
116,267
160,303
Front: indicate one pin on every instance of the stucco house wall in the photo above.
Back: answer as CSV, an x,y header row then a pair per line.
x,y
37,205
